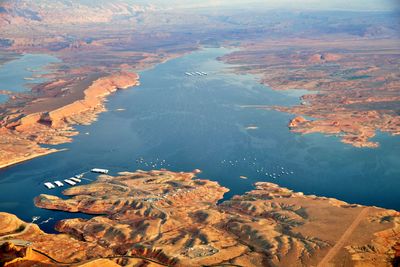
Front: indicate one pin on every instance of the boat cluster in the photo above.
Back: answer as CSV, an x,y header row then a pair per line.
x,y
37,218
155,164
275,172
196,73
272,171
73,180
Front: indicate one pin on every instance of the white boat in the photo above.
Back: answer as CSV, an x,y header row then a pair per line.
x,y
204,73
49,185
68,181
188,74
75,179
97,170
58,183
199,73
79,176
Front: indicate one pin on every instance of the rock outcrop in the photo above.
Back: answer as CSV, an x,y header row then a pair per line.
x,y
163,218
11,254
175,219
297,121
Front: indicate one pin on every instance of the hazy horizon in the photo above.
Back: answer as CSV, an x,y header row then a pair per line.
x,y
366,5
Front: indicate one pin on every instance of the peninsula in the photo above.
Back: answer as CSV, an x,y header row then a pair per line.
x,y
174,219
49,117
353,83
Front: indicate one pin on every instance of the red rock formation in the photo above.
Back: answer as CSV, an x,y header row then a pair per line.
x,y
171,218
167,218
316,58
54,126
11,254
331,57
297,121
353,97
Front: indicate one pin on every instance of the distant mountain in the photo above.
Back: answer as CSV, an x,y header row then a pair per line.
x,y
67,11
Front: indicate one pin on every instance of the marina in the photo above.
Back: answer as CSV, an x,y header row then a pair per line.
x,y
196,73
273,172
73,180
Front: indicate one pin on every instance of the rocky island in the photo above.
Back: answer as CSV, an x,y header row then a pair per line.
x,y
167,218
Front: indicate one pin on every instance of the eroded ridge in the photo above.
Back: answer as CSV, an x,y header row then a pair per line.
x,y
174,219
48,119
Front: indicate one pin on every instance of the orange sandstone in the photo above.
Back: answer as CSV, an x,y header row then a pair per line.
x,y
22,133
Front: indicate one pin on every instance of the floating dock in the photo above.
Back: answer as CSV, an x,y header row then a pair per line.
x,y
196,73
58,183
68,181
49,185
97,170
75,179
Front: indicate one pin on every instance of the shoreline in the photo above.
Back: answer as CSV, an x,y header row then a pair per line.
x,y
80,106
16,162
55,126
324,96
135,209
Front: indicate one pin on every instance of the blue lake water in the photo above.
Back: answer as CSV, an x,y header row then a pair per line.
x,y
16,74
187,122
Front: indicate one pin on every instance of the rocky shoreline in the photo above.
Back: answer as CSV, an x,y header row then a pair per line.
x,y
173,218
353,94
23,130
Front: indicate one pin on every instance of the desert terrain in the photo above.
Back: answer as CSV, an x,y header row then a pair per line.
x,y
348,63
354,83
77,87
174,219
351,69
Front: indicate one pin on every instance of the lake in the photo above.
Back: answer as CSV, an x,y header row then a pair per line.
x,y
182,122
16,74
